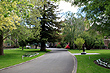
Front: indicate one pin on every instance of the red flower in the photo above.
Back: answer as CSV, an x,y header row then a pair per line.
x,y
67,47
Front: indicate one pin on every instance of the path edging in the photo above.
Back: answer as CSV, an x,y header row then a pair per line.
x,y
75,63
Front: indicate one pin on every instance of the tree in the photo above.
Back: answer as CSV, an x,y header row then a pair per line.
x,y
92,39
10,18
73,28
98,12
29,30
49,23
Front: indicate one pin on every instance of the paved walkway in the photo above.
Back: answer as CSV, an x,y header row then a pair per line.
x,y
86,53
57,61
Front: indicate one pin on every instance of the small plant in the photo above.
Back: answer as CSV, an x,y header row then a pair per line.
x,y
30,54
104,62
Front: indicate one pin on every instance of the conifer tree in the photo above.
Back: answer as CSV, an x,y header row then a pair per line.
x,y
50,27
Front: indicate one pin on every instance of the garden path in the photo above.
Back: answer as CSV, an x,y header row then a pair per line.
x,y
56,61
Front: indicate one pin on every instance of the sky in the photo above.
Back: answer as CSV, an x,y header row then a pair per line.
x,y
65,7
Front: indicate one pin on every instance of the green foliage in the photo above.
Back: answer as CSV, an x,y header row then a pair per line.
x,y
13,14
79,43
58,46
9,41
92,40
97,11
22,43
24,47
48,22
99,43
50,27
20,47
89,40
73,27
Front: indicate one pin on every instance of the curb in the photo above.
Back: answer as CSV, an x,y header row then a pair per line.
x,y
75,63
21,63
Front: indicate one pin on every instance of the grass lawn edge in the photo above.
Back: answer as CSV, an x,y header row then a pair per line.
x,y
23,62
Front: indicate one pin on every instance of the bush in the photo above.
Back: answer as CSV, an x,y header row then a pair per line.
x,y
58,46
20,47
79,42
24,47
98,44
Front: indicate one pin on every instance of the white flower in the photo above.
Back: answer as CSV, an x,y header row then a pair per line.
x,y
109,65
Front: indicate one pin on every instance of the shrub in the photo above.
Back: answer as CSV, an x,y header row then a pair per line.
x,y
58,46
79,42
20,47
24,47
98,44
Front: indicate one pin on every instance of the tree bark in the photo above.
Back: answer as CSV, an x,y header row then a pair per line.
x,y
43,48
22,48
1,43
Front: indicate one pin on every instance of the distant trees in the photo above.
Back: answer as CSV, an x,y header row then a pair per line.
x,y
73,28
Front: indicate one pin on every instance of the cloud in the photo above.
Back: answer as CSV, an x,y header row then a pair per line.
x,y
66,6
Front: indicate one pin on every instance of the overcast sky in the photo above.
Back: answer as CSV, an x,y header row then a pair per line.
x,y
65,7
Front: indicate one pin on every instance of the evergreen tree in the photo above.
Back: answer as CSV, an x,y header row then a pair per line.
x,y
50,27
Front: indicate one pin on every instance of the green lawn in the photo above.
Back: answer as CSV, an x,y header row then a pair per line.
x,y
14,56
86,65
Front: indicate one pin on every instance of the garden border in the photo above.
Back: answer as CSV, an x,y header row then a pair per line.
x,y
100,65
75,63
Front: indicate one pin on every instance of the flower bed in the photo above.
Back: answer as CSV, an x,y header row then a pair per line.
x,y
30,54
104,62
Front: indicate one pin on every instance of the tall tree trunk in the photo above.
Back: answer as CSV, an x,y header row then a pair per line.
x,y
22,48
43,48
1,43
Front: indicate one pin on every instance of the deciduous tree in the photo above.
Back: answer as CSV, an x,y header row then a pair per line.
x,y
10,18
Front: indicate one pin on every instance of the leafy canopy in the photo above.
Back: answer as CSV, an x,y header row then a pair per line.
x,y
8,16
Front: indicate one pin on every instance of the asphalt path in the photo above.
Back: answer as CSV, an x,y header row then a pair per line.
x,y
56,61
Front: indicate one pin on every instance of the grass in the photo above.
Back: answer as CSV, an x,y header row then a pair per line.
x,y
86,65
14,56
